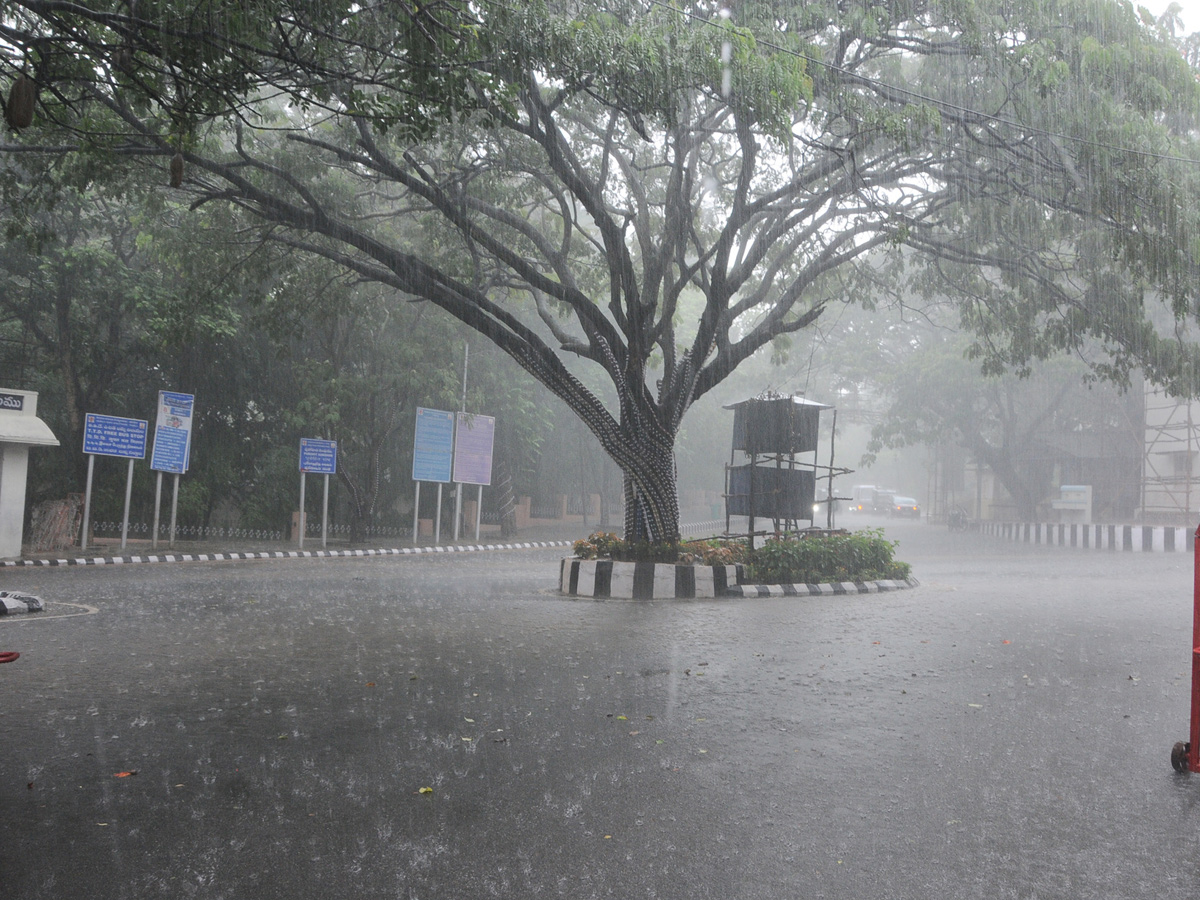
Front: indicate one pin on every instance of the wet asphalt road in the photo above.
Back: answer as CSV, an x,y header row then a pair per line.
x,y
449,727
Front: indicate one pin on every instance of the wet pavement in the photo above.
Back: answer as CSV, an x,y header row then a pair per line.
x,y
448,726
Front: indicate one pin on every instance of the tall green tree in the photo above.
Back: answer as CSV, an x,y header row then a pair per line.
x,y
81,305
576,168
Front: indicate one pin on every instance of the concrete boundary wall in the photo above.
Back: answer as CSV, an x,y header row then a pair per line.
x,y
1128,538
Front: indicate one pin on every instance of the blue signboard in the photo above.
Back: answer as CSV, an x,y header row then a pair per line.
x,y
433,445
473,449
114,436
173,433
318,457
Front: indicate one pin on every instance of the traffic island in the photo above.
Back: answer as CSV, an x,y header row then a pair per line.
x,y
17,602
609,579
606,578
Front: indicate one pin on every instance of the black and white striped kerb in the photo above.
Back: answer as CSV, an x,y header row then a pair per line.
x,y
276,554
814,590
644,580
1128,538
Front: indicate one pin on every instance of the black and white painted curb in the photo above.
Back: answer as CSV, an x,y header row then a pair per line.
x,y
712,527
812,590
279,554
605,579
1129,538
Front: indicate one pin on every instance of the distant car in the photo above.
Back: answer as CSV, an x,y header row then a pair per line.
x,y
862,498
868,498
905,506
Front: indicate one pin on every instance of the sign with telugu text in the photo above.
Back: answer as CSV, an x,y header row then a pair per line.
x,y
173,433
318,457
114,436
473,449
433,445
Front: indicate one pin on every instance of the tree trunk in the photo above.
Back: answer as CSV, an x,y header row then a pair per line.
x,y
651,494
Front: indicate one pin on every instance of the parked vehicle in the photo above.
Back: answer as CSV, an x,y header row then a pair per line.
x,y
905,507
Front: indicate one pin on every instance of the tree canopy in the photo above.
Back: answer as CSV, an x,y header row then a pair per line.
x,y
563,177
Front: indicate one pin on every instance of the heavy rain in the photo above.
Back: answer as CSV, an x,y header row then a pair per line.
x,y
610,448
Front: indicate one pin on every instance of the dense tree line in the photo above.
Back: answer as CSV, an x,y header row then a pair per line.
x,y
566,178
108,293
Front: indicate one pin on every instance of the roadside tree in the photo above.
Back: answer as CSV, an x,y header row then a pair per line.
x,y
574,170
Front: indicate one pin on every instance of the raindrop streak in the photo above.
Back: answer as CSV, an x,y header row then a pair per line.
x,y
726,59
726,72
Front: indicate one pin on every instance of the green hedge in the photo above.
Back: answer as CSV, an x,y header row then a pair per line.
x,y
798,559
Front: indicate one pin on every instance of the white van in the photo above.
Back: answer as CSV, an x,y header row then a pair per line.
x,y
862,498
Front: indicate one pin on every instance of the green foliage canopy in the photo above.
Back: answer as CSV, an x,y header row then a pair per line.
x,y
559,175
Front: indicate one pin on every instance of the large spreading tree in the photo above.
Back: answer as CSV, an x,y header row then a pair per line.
x,y
567,177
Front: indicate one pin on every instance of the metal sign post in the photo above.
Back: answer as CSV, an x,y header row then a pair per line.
x,y
458,488
1185,757
433,454
1193,747
87,502
112,436
174,507
303,515
320,458
157,506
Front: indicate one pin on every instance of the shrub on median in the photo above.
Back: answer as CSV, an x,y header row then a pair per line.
x,y
802,558
826,557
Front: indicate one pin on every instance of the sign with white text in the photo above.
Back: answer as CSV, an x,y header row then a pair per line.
x,y
114,436
433,445
318,457
173,433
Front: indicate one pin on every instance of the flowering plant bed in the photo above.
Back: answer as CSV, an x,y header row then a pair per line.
x,y
711,552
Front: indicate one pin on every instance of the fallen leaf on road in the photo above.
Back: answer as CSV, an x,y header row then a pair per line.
x,y
124,774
